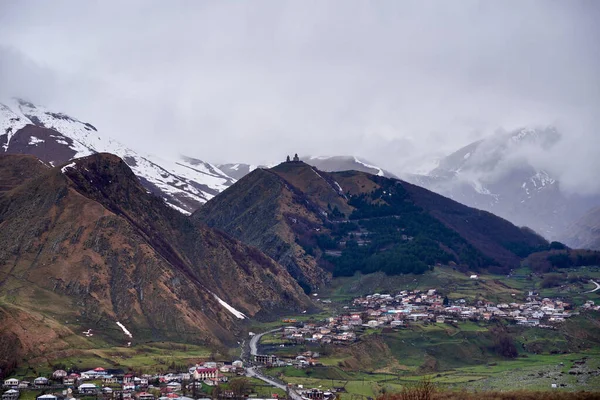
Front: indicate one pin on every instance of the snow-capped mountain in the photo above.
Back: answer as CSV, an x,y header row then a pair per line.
x,y
184,183
324,163
585,232
239,170
494,174
346,163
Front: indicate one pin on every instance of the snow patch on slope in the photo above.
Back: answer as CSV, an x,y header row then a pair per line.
x,y
66,167
34,141
125,331
10,123
229,308
379,170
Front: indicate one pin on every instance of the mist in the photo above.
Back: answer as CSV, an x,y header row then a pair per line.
x,y
394,82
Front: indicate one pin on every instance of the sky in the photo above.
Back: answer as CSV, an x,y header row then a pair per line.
x,y
396,82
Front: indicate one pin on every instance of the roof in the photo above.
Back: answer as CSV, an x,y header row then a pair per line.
x,y
206,370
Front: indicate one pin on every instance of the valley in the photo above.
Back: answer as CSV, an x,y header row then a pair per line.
x,y
461,353
368,283
325,200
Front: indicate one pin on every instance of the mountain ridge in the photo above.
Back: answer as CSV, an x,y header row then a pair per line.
x,y
493,174
309,210
184,183
90,240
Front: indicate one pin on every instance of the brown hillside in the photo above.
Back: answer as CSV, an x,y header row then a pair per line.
x,y
296,215
16,170
87,245
265,211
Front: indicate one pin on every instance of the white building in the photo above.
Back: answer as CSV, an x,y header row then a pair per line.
x,y
11,383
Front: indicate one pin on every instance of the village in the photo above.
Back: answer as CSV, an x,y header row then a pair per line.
x,y
416,306
375,311
100,382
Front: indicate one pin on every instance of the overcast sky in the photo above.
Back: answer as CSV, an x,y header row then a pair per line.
x,y
252,81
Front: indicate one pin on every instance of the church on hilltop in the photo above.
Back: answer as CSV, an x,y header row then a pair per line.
x,y
296,158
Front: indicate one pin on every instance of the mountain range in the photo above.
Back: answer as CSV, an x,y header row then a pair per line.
x,y
183,182
323,163
84,246
494,175
92,240
319,225
490,174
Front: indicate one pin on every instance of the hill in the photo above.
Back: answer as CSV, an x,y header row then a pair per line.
x,y
85,246
319,224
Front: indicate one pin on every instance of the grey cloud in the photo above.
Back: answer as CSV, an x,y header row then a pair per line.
x,y
392,81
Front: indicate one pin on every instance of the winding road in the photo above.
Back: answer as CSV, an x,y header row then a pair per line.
x,y
256,338
254,372
597,286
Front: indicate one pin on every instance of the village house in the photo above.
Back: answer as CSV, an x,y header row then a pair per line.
x,y
144,396
87,388
70,380
109,379
59,374
11,383
226,368
264,359
10,394
140,382
41,381
201,374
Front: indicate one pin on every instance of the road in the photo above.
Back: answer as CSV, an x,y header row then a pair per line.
x,y
597,287
256,338
254,372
